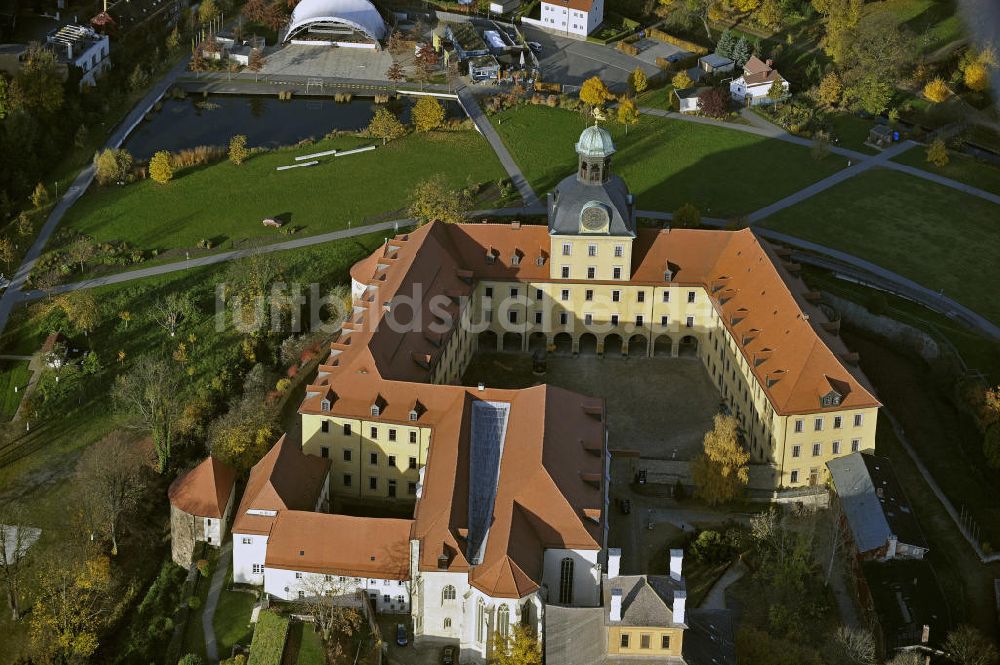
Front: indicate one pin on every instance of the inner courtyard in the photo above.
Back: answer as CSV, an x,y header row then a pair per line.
x,y
660,407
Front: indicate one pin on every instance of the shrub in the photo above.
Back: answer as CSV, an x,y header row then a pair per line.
x,y
976,77
711,547
203,567
193,602
40,196
937,153
687,217
681,81
112,166
238,150
204,243
197,156
283,385
160,168
427,114
190,659
936,90
714,102
548,87
625,47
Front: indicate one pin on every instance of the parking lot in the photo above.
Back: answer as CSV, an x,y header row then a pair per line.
x,y
572,61
660,407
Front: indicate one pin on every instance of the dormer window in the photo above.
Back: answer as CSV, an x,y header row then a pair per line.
x,y
413,414
376,410
324,405
515,260
832,398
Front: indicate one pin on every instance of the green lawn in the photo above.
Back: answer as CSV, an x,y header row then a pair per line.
x,y
935,23
304,645
13,373
851,132
225,204
962,168
232,619
657,98
935,235
667,163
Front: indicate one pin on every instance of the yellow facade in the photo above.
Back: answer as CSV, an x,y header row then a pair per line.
x,y
645,641
371,459
611,316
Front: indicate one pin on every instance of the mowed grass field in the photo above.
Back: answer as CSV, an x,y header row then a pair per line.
x,y
962,168
666,163
935,235
225,204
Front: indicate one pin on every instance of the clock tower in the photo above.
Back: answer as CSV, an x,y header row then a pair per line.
x,y
592,216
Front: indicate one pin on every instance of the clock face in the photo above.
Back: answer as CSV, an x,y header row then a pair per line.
x,y
594,217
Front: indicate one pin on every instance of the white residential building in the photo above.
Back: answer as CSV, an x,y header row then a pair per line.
x,y
284,479
753,87
574,18
82,47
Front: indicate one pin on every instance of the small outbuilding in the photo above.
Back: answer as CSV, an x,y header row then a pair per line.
x,y
713,63
876,516
201,501
686,100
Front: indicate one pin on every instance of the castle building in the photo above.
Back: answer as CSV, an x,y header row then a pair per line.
x,y
509,488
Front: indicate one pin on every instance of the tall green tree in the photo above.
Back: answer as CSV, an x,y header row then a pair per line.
x,y
39,84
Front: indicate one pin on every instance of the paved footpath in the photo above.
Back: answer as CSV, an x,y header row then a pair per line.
x,y
830,181
471,106
212,601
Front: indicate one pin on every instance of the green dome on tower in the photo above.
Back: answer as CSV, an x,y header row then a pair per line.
x,y
595,142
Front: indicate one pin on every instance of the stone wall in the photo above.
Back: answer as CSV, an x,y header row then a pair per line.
x,y
185,531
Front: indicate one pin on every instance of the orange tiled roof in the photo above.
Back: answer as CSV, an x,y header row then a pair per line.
x,y
284,479
204,491
541,502
340,545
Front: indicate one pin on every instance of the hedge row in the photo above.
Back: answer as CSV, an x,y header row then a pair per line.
x,y
269,637
667,38
679,66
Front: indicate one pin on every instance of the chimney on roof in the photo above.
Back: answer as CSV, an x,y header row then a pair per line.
x,y
890,552
443,561
482,386
614,562
680,601
616,605
676,563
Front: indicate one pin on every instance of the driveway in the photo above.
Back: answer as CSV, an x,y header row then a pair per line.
x,y
572,61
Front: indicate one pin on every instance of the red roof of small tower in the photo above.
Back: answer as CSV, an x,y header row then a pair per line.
x,y
204,490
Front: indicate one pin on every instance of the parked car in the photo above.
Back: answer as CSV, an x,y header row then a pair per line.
x,y
448,655
401,638
535,46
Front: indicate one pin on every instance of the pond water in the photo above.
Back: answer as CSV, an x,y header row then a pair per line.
x,y
266,121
